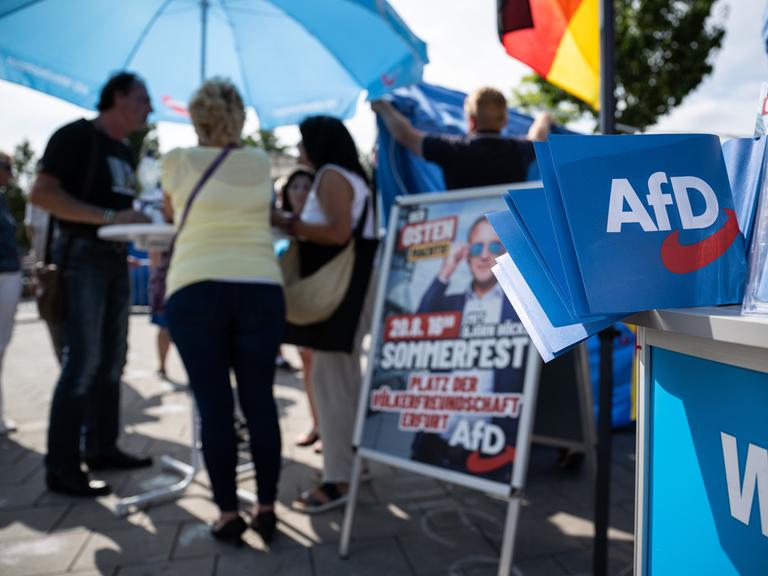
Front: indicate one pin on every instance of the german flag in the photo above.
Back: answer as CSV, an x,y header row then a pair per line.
x,y
559,39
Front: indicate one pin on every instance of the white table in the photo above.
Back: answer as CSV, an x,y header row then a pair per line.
x,y
144,236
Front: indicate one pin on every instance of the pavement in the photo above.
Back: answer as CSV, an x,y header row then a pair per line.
x,y
406,525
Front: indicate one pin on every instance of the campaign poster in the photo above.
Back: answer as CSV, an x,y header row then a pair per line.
x,y
450,354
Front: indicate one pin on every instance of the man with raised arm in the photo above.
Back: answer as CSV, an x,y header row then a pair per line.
x,y
481,158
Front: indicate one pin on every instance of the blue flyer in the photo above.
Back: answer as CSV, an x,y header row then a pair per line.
x,y
651,219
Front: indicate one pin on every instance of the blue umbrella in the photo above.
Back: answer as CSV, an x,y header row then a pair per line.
x,y
290,58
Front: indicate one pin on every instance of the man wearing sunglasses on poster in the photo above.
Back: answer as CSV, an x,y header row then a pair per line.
x,y
482,304
484,293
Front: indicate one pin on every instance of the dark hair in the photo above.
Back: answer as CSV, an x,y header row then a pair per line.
x,y
327,141
475,224
292,175
121,82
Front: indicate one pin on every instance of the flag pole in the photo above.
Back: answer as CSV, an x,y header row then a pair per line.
x,y
607,81
605,414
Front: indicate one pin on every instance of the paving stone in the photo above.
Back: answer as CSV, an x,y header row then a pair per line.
x,y
430,551
135,545
10,450
620,558
21,470
247,561
196,567
40,555
407,487
97,515
378,557
192,506
30,523
23,495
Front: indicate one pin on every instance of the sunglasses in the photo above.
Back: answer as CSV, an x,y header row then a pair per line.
x,y
494,248
5,165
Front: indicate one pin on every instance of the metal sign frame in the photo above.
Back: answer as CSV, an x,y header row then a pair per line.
x,y
510,492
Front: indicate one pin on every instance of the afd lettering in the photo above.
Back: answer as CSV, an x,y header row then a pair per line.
x,y
742,492
658,200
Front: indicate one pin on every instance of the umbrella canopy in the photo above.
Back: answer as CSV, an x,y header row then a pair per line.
x,y
290,58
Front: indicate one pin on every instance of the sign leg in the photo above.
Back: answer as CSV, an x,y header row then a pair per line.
x,y
349,510
510,532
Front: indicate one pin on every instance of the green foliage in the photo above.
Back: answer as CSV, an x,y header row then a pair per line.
x,y
266,140
535,94
23,172
663,50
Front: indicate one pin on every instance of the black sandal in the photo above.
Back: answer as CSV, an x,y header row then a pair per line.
x,y
231,532
265,525
309,503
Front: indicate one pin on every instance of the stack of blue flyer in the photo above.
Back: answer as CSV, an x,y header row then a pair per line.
x,y
622,224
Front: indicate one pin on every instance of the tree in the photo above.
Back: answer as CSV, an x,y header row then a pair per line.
x,y
267,140
23,172
663,50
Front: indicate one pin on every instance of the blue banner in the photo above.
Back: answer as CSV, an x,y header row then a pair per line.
x,y
708,484
434,110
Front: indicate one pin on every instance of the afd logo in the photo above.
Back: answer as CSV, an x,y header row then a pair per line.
x,y
741,490
677,257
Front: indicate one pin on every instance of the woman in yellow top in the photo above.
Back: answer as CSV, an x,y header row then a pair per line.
x,y
225,305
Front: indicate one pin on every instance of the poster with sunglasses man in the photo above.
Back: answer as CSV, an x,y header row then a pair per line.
x,y
447,383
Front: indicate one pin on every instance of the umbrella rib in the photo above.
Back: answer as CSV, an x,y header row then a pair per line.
x,y
145,31
243,76
19,8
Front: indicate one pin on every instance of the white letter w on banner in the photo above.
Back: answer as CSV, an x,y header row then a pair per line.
x,y
741,494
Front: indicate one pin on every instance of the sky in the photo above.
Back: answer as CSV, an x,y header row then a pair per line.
x,y
465,54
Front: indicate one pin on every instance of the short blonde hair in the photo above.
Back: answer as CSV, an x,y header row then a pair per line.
x,y
488,107
217,112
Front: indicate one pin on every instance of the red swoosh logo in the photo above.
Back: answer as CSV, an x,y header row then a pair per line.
x,y
479,465
388,79
682,259
175,106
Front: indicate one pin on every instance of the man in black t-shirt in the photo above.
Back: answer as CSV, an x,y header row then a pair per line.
x,y
86,179
482,158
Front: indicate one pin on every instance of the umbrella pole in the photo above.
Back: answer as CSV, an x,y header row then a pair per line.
x,y
605,416
204,4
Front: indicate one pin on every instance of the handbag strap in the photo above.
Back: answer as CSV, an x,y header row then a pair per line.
x,y
358,231
199,186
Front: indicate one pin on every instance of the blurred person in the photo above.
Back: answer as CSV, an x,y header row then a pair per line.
x,y
10,277
295,190
481,158
225,308
293,195
41,230
340,200
159,260
86,180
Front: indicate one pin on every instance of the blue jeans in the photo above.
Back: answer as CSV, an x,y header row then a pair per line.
x,y
221,325
95,332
